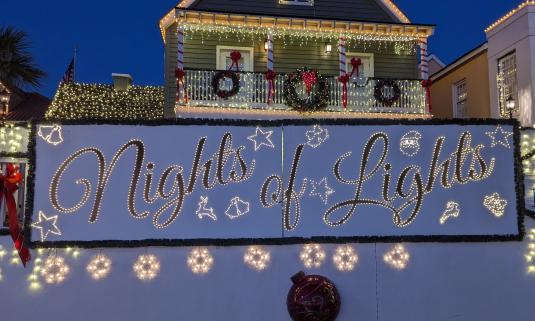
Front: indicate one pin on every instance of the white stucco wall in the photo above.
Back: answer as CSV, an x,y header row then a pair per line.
x,y
453,281
515,34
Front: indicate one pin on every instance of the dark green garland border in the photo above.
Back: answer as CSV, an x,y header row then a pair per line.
x,y
519,184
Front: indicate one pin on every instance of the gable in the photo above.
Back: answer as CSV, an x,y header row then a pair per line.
x,y
358,10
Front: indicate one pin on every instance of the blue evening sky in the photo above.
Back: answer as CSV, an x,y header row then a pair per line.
x,y
123,36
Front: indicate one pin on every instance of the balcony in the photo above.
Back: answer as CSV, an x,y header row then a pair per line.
x,y
252,98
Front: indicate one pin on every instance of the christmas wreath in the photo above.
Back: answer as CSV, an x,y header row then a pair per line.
x,y
315,86
235,83
379,92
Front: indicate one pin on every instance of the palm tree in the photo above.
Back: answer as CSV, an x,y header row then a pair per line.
x,y
17,66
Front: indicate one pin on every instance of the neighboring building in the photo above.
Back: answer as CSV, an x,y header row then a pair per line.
x,y
435,64
25,106
481,81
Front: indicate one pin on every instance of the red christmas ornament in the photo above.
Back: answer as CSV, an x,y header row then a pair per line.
x,y
312,298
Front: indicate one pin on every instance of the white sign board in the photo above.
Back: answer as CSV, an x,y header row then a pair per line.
x,y
240,182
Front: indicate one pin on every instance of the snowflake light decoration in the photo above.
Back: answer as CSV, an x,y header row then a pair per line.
x,y
55,270
345,258
397,257
200,261
316,136
312,255
147,267
257,258
99,267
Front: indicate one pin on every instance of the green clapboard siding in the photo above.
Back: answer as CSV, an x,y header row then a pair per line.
x,y
368,10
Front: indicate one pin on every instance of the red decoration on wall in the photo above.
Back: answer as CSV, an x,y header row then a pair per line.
x,y
312,298
356,63
179,75
270,77
235,56
10,184
427,85
310,79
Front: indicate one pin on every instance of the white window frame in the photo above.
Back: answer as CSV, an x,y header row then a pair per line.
x,y
502,88
297,2
350,55
455,98
220,66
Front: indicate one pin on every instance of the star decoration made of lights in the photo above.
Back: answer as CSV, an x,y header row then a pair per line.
x,y
321,189
316,136
46,225
499,137
261,138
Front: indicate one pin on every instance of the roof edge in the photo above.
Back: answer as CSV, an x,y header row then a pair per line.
x,y
460,61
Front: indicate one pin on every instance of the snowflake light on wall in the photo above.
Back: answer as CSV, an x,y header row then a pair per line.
x,y
99,267
146,267
312,255
345,258
200,261
257,258
397,257
55,270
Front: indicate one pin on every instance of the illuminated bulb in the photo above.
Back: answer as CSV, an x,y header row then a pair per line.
x,y
3,252
397,257
99,267
345,258
312,255
200,261
55,270
35,286
146,267
530,253
257,258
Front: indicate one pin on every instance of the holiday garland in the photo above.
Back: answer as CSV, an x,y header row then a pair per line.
x,y
379,94
225,94
316,88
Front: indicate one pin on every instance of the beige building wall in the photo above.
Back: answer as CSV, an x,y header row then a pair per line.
x,y
475,72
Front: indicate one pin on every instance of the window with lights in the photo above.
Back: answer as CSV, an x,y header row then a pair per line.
x,y
460,102
297,2
507,84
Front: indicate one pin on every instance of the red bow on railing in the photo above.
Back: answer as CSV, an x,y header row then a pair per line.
x,y
9,183
427,85
355,62
179,75
344,80
270,77
310,79
235,56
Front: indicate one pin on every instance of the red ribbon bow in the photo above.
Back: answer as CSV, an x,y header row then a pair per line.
x,y
270,77
9,183
235,56
355,62
427,85
309,78
344,80
179,75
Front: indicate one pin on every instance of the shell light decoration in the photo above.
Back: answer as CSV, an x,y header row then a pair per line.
x,y
99,267
257,258
312,255
495,204
146,267
55,270
345,258
409,143
200,261
397,257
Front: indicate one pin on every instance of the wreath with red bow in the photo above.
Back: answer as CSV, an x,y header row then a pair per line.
x,y
225,94
380,95
316,88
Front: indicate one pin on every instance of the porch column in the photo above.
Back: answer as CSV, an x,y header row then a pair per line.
x,y
270,74
424,65
270,52
180,74
343,58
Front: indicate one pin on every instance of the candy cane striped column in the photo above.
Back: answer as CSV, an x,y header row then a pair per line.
x,y
180,61
343,58
270,52
424,65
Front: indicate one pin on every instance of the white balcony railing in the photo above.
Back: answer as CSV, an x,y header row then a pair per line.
x,y
254,93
